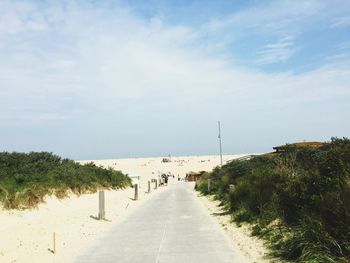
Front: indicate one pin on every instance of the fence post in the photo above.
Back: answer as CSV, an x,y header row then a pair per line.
x,y
208,185
101,213
136,196
149,186
156,183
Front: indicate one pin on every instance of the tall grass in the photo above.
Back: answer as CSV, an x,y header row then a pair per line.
x,y
25,179
298,201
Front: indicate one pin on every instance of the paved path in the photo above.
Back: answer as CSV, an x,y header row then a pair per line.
x,y
172,226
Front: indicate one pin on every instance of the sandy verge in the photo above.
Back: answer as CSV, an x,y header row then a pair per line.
x,y
250,247
26,236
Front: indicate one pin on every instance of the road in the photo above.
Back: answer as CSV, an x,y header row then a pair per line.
x,y
173,226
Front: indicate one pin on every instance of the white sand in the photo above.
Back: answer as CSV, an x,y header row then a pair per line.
x,y
151,167
26,236
251,248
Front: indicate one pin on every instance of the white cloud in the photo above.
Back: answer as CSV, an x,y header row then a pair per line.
x,y
279,51
89,76
273,17
343,21
83,61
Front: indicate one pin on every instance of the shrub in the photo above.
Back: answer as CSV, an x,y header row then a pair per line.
x,y
298,200
25,179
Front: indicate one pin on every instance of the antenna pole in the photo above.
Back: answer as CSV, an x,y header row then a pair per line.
x,y
220,143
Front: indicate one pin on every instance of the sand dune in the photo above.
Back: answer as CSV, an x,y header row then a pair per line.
x,y
26,236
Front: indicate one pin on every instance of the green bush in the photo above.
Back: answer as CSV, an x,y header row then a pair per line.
x,y
298,200
25,179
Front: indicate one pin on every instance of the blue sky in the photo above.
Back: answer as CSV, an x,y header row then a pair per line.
x,y
104,79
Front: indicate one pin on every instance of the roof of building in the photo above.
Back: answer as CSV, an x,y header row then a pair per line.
x,y
299,145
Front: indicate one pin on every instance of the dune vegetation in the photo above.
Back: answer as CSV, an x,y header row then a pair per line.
x,y
26,178
298,200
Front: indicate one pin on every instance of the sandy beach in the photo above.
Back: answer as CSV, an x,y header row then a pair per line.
x,y
27,236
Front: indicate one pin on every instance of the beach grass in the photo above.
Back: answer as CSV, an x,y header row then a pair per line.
x,y
298,200
26,178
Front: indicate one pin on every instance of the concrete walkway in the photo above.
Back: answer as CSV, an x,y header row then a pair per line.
x,y
173,226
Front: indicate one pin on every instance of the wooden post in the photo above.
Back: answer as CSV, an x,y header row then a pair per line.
x,y
149,186
54,243
155,183
136,196
208,185
101,213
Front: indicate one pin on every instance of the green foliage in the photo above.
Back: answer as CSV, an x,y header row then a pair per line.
x,y
25,179
298,200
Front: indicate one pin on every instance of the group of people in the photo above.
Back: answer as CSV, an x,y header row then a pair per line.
x,y
165,177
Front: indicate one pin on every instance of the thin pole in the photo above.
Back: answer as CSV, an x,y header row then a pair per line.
x,y
220,143
54,243
136,195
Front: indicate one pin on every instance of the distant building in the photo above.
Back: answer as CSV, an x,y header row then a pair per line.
x,y
193,176
287,147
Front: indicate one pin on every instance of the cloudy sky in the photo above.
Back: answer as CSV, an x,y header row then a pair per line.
x,y
103,79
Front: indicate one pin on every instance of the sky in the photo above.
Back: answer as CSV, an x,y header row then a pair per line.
x,y
110,79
